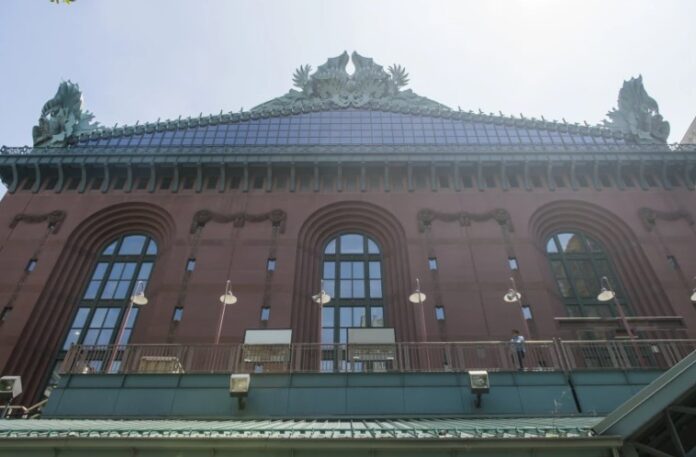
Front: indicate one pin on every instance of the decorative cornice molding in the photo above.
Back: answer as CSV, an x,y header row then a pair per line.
x,y
54,218
427,216
202,217
649,217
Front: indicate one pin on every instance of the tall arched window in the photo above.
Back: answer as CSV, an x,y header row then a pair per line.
x,y
120,265
352,274
578,263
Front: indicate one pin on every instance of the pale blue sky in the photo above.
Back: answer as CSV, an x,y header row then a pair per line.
x,y
144,59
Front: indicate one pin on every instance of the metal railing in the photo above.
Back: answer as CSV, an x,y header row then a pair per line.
x,y
551,355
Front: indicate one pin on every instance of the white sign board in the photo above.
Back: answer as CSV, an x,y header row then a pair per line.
x,y
275,336
371,336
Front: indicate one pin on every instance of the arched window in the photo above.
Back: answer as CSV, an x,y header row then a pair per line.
x,y
352,274
578,263
120,265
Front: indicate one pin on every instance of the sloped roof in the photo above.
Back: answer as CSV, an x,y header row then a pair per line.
x,y
375,93
287,429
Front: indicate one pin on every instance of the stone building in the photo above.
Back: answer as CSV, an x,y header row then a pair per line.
x,y
324,212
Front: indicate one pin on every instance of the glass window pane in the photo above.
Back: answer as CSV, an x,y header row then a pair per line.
x,y
151,248
352,244
121,290
359,318
131,318
571,242
346,317
327,335
330,287
104,337
109,290
593,245
145,270
358,270
551,246
564,288
116,270
329,270
100,270
372,247
359,289
346,270
132,245
557,268
91,337
98,318
343,336
111,317
327,317
375,288
375,270
92,290
346,289
376,316
72,338
109,250
125,337
80,318
330,248
128,270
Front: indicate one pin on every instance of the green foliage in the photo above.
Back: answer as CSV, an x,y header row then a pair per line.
x,y
67,2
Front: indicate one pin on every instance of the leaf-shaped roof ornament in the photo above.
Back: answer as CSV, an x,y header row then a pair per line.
x,y
637,113
331,86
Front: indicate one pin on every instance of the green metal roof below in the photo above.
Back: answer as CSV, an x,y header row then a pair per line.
x,y
286,429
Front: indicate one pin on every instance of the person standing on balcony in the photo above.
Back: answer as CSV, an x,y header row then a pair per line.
x,y
518,348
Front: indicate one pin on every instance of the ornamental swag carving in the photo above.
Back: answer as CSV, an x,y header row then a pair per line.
x,y
649,217
427,216
202,217
54,218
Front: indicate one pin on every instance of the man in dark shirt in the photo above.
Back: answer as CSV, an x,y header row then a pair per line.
x,y
517,346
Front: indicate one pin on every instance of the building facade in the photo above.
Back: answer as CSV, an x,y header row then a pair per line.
x,y
356,186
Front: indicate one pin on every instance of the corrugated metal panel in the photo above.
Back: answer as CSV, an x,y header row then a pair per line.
x,y
459,428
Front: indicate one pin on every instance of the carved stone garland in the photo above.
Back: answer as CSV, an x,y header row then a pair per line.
x,y
649,217
202,217
54,218
427,216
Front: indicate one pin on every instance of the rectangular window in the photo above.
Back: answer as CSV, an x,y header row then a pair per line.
x,y
31,265
271,264
672,261
352,280
76,328
440,313
265,313
190,265
512,262
432,263
527,312
5,313
178,314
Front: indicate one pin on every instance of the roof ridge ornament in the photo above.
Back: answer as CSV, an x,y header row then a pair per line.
x,y
62,118
638,113
331,86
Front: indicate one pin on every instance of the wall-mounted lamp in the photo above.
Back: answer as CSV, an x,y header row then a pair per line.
x,y
239,387
322,297
480,384
228,298
606,294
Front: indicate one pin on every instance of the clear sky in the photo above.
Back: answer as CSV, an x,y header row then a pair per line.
x,y
149,59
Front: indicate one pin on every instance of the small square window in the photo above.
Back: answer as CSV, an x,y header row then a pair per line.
x,y
5,313
191,265
672,261
265,313
527,312
440,313
512,262
271,264
178,314
432,263
31,265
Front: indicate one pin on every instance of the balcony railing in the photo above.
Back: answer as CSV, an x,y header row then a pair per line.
x,y
552,355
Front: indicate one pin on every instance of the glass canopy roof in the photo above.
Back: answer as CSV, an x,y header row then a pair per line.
x,y
352,127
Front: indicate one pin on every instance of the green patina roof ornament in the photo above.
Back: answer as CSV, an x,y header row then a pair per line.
x,y
331,86
62,118
638,113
